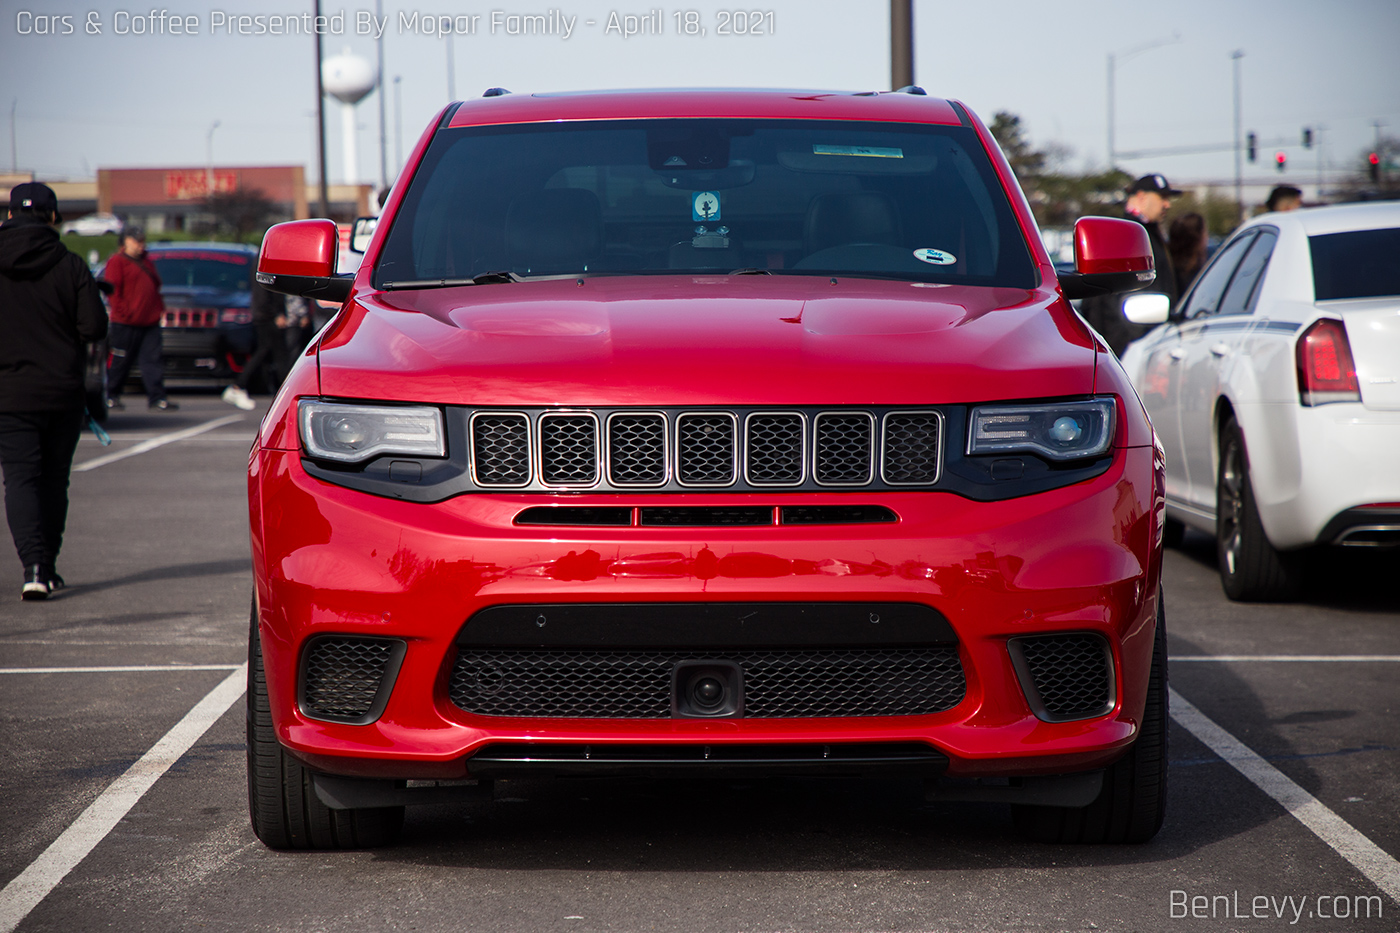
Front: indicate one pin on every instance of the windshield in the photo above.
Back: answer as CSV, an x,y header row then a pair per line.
x,y
1358,264
231,272
706,196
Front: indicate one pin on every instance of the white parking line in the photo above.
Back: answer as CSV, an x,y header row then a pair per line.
x,y
1311,658
155,442
1349,842
137,668
32,885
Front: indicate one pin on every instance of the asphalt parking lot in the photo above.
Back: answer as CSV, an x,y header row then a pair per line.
x,y
121,720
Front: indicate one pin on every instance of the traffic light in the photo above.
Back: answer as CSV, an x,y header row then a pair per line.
x,y
1307,137
1374,166
1280,160
1250,146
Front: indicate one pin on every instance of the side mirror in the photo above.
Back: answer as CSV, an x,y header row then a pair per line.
x,y
298,258
1110,256
361,232
1149,308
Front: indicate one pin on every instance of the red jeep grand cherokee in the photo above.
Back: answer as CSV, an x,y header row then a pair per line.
x,y
704,432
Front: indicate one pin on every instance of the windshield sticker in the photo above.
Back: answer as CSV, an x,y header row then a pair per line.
x,y
874,152
704,205
936,256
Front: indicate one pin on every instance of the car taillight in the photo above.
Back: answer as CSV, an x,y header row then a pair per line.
x,y
1326,372
235,316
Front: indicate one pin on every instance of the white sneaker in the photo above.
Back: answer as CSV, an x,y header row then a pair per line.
x,y
237,397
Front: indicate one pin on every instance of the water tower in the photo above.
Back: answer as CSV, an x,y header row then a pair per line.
x,y
349,79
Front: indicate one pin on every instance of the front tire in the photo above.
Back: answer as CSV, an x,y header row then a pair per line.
x,y
282,803
1133,802
1251,569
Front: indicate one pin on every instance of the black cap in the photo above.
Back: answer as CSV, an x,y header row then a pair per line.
x,y
133,231
1157,184
34,197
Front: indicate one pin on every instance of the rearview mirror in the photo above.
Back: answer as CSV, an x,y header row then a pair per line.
x,y
298,258
361,232
1110,256
1147,308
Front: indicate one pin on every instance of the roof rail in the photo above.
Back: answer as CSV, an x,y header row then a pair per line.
x,y
495,92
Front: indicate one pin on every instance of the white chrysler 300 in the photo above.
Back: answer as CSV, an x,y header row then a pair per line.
x,y
1275,389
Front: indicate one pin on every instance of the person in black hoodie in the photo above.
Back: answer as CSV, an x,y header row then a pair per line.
x,y
1149,198
49,310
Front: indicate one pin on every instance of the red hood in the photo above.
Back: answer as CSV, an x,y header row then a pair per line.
x,y
706,340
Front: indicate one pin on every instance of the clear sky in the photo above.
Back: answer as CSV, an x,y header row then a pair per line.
x,y
83,101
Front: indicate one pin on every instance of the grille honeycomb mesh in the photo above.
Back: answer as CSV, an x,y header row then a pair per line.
x,y
637,450
1070,672
569,449
844,447
778,684
341,675
706,449
501,449
773,449
803,448
911,448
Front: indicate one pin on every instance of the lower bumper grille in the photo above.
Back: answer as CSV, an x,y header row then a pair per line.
x,y
545,758
587,683
1065,677
347,678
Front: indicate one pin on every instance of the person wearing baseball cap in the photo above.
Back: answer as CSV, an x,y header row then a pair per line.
x,y
49,311
1147,202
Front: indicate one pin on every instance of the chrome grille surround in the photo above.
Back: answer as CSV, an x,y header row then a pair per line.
x,y
569,451
500,442
775,448
843,448
707,452
672,449
911,452
637,448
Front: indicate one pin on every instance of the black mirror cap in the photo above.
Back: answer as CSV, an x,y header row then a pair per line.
x,y
1076,285
332,288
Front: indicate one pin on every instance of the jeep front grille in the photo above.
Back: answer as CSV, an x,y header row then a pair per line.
x,y
736,450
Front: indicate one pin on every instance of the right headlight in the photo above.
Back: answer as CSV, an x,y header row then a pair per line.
x,y
1057,430
352,433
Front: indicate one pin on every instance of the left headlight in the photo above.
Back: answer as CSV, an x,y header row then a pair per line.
x,y
351,433
1057,430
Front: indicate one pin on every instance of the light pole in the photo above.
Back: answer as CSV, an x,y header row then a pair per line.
x,y
398,127
1112,66
901,43
383,129
1235,57
209,160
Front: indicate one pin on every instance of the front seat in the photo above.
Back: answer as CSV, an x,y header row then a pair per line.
x,y
848,218
555,231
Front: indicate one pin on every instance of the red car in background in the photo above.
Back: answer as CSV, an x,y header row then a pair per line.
x,y
703,433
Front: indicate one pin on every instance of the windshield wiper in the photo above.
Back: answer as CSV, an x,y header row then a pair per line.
x,y
483,278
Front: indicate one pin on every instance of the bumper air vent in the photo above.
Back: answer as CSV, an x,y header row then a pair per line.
x,y
346,678
1065,677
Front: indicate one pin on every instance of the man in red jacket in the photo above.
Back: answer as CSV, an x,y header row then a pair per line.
x,y
136,309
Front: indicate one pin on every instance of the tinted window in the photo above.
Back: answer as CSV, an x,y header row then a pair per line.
x,y
1205,297
655,196
1359,264
1239,297
188,268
